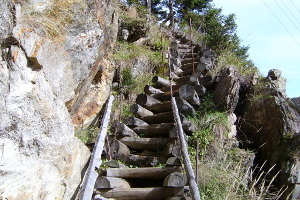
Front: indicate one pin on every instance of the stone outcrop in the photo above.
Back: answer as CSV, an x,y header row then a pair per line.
x,y
272,125
226,93
41,77
296,102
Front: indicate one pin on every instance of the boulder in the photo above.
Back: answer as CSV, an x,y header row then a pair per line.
x,y
226,93
272,125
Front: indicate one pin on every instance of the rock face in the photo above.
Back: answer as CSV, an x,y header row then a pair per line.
x,y
226,93
296,101
39,76
272,125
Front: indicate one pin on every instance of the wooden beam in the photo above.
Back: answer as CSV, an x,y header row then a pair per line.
x,y
122,130
161,82
145,143
175,179
157,193
186,159
146,100
90,177
141,160
133,122
142,173
154,129
104,182
165,117
151,90
164,106
140,111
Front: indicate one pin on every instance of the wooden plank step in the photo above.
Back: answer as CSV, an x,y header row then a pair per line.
x,y
152,90
186,72
141,160
161,82
164,106
145,143
189,66
185,46
166,96
133,122
161,129
181,51
189,60
142,172
156,193
140,111
191,55
165,117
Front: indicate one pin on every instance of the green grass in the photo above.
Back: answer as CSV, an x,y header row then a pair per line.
x,y
87,135
205,121
129,51
227,58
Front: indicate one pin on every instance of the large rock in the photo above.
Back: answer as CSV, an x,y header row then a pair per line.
x,y
6,19
39,76
296,102
226,93
272,125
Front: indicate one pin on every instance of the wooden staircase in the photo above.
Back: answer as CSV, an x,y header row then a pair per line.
x,y
148,142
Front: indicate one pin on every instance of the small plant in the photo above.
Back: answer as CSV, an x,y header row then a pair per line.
x,y
205,121
87,135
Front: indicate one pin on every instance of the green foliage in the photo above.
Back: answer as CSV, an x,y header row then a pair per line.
x,y
127,78
205,121
226,58
87,135
129,51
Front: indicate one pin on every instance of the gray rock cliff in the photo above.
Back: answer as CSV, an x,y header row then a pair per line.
x,y
44,71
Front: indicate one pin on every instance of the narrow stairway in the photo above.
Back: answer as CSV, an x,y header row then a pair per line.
x,y
148,142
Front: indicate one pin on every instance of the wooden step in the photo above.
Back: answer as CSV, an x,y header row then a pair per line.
x,y
182,51
141,160
186,72
161,82
133,122
145,143
191,55
185,46
156,193
152,90
166,96
165,117
164,106
146,100
161,129
142,172
140,111
189,66
190,60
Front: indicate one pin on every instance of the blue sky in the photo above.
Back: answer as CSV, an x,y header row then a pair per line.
x,y
274,42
